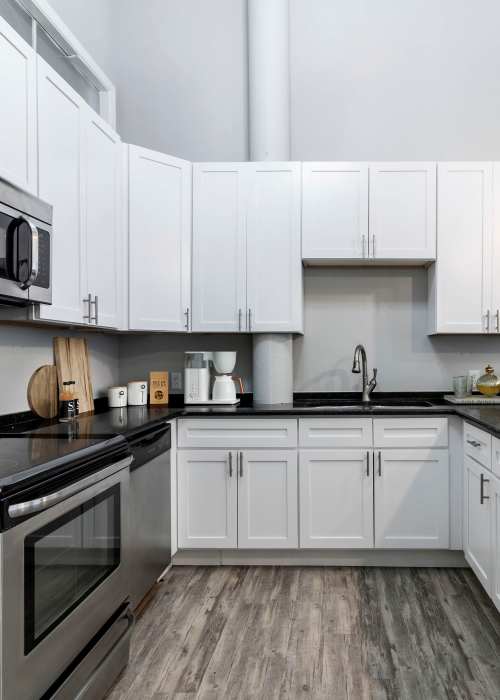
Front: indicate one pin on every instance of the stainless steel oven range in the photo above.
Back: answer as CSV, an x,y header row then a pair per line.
x,y
65,619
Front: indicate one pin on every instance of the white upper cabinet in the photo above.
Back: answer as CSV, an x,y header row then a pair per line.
x,y
274,266
18,112
412,499
247,268
334,210
460,280
60,133
376,211
102,263
79,174
492,260
219,274
159,241
403,211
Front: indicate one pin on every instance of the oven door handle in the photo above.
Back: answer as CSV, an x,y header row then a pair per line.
x,y
21,510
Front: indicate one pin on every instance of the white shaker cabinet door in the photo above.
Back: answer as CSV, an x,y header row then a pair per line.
x,y
403,211
219,255
336,499
412,499
207,499
103,233
18,111
274,263
267,499
159,241
459,281
478,508
334,211
492,260
61,121
494,492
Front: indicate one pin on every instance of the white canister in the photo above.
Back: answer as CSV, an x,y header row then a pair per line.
x,y
137,393
117,396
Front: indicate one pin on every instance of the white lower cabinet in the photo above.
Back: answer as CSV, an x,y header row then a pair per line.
x,y
412,499
478,509
336,499
495,535
245,499
256,492
267,500
207,499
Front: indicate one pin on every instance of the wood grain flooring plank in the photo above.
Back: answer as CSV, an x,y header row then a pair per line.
x,y
329,633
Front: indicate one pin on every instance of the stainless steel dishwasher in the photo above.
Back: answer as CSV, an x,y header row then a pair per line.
x,y
149,510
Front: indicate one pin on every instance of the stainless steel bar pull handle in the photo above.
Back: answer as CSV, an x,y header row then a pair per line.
x,y
230,464
363,246
241,464
88,300
483,480
18,510
367,462
488,321
474,443
373,246
497,321
240,314
379,463
249,319
95,304
186,314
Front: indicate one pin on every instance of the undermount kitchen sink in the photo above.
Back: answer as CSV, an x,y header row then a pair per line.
x,y
351,404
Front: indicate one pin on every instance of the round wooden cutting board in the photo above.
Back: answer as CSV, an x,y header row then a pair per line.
x,y
43,397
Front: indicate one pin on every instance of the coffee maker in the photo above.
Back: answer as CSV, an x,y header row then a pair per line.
x,y
199,369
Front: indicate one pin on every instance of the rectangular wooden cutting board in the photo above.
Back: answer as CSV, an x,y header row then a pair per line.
x,y
72,361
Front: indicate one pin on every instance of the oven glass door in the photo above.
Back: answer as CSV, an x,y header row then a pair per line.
x,y
66,560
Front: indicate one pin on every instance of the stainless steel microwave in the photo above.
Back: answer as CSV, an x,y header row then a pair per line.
x,y
25,247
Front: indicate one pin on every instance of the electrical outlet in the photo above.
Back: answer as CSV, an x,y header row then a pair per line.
x,y
176,380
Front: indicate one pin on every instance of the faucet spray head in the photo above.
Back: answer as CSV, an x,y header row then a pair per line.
x,y
355,366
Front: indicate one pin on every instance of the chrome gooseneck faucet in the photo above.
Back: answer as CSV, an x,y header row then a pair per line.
x,y
368,385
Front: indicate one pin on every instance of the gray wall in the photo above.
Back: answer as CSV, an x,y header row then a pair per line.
x,y
142,353
392,80
386,310
369,80
23,349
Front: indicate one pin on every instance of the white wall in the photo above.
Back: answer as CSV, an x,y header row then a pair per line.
x,y
23,349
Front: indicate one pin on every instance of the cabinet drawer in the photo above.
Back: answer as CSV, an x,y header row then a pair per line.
x,y
410,432
477,444
335,432
237,432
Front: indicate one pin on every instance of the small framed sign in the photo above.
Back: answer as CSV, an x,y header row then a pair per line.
x,y
158,388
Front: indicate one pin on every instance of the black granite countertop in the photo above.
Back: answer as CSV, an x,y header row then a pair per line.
x,y
135,419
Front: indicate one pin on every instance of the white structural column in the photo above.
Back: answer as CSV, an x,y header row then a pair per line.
x,y
269,79
269,136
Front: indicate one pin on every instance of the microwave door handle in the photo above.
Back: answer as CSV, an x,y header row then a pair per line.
x,y
21,510
35,245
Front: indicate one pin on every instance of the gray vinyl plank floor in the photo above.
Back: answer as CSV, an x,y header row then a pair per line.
x,y
304,632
